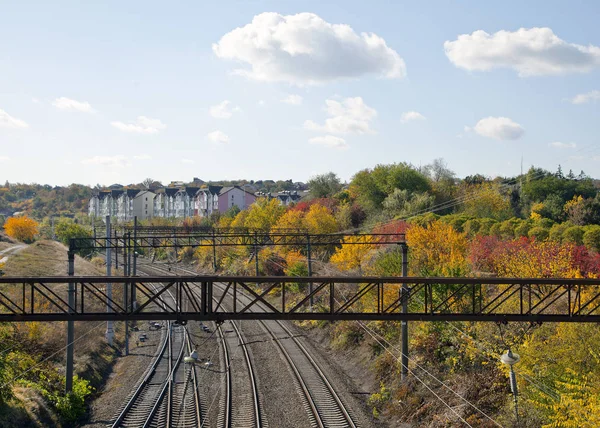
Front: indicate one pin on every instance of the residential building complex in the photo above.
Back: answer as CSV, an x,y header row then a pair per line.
x,y
169,202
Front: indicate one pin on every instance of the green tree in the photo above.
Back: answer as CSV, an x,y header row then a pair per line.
x,y
66,230
486,201
591,238
324,185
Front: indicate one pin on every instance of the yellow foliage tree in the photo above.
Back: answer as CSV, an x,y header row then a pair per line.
x,y
352,255
536,209
240,219
564,358
292,219
437,250
263,214
486,200
540,259
319,219
21,228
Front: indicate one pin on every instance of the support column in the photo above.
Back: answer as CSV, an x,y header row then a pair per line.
x,y
309,263
256,253
116,241
135,255
110,333
70,323
126,303
404,332
214,248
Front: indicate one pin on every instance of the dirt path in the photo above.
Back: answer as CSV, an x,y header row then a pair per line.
x,y
4,254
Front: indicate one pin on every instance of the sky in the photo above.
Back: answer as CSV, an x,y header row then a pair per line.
x,y
116,92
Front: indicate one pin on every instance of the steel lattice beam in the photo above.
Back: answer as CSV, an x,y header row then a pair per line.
x,y
179,240
334,298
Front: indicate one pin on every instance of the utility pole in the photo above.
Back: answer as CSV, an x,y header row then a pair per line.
x,y
110,333
404,328
511,359
70,323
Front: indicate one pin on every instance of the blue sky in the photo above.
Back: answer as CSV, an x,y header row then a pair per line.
x,y
121,91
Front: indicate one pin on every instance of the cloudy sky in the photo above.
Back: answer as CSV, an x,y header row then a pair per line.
x,y
121,91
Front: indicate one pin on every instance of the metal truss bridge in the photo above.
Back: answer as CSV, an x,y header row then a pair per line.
x,y
233,238
81,298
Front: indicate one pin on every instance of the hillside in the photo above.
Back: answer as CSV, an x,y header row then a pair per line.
x,y
32,358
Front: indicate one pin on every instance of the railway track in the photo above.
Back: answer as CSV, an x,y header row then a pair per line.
x,y
322,403
168,394
240,403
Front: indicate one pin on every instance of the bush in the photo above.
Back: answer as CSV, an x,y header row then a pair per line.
x,y
71,407
471,227
486,225
21,228
495,230
523,229
557,230
539,233
591,238
544,222
573,234
507,228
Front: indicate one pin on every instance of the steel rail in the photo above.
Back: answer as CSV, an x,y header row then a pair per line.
x,y
130,403
317,413
167,388
250,369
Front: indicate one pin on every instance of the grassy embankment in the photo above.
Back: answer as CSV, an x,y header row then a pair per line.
x,y
34,352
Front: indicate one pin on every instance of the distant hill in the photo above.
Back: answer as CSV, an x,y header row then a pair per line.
x,y
40,201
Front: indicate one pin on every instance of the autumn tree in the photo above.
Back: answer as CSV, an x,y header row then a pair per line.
x,y
263,214
437,250
353,254
319,219
21,228
292,219
486,200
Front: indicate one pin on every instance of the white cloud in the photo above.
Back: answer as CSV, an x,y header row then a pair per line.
x,y
117,161
143,156
36,101
4,158
411,115
329,141
587,97
530,52
218,137
499,128
143,125
304,49
188,161
261,103
350,116
222,110
7,121
69,104
292,99
560,145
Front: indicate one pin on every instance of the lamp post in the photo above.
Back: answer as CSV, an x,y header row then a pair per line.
x,y
511,359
